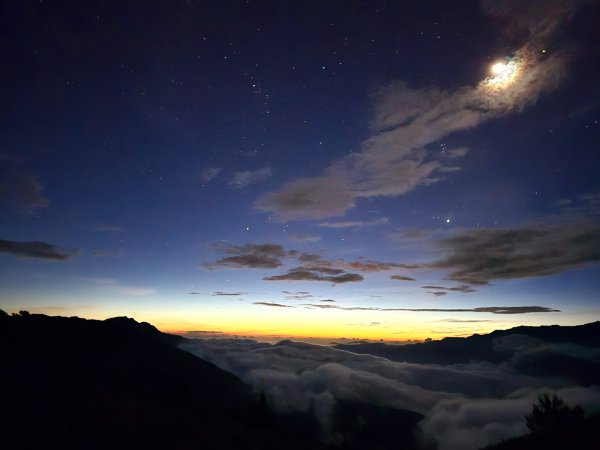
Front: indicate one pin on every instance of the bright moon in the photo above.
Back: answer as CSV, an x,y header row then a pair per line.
x,y
502,75
498,68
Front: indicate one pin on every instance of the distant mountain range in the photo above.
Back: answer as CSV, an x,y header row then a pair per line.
x,y
567,351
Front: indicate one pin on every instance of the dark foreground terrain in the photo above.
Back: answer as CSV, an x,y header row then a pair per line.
x,y
73,383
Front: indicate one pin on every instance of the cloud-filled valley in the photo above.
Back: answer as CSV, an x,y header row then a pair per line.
x,y
466,406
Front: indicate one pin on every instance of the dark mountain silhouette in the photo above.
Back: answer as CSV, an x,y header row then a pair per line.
x,y
544,352
370,427
87,384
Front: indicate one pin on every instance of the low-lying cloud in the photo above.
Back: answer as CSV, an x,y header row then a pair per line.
x,y
465,406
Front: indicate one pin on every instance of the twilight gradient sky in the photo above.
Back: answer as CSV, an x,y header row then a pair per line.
x,y
339,169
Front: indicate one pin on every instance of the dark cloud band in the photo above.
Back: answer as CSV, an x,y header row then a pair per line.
x,y
34,249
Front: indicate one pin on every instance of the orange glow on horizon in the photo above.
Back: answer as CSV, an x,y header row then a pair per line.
x,y
323,326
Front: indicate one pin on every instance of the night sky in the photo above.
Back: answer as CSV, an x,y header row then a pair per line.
x,y
337,169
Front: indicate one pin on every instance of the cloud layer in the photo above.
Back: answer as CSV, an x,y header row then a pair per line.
x,y
466,406
481,255
309,267
252,256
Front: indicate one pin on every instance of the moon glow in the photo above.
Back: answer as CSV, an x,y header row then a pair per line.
x,y
503,74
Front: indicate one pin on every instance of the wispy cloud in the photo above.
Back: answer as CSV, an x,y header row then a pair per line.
x,y
483,309
301,295
464,288
130,290
401,278
248,177
307,275
34,249
21,190
378,266
11,158
252,256
304,238
355,223
209,174
115,285
118,253
274,305
226,294
464,320
107,228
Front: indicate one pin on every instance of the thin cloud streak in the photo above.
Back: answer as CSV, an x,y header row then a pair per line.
x,y
227,294
354,223
34,250
483,309
274,305
401,278
307,275
248,177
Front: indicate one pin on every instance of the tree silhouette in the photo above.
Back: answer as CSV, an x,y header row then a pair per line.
x,y
551,414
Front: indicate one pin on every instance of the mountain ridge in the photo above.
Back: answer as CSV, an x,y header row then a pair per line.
x,y
77,383
551,350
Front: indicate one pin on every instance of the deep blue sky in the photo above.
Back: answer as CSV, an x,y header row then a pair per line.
x,y
152,149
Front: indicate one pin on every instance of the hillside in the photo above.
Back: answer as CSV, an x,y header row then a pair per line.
x,y
74,383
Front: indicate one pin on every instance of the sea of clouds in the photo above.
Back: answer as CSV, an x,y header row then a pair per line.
x,y
465,406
